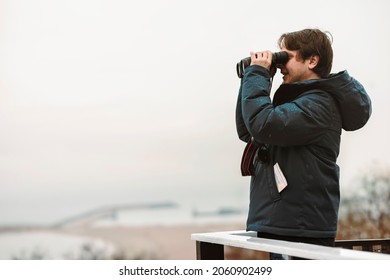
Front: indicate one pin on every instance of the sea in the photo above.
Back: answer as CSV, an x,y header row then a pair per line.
x,y
45,242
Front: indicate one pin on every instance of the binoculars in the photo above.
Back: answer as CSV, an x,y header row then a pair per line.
x,y
277,58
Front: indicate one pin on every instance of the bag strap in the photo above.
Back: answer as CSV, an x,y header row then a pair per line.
x,y
247,167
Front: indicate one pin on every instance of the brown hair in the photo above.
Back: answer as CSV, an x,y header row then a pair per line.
x,y
310,42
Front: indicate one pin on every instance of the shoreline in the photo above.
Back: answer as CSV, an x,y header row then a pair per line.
x,y
168,242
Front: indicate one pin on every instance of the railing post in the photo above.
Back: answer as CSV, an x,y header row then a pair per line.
x,y
209,251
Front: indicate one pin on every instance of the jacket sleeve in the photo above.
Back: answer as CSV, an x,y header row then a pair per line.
x,y
299,122
242,131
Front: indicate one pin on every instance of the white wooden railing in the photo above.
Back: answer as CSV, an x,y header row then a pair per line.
x,y
211,246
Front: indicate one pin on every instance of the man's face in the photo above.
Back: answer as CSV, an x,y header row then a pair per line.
x,y
296,69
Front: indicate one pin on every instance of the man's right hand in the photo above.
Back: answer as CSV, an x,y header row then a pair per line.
x,y
263,59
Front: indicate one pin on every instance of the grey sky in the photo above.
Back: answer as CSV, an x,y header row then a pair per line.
x,y
109,101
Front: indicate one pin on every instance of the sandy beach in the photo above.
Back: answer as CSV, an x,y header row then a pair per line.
x,y
150,242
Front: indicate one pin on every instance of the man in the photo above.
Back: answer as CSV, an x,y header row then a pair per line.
x,y
294,192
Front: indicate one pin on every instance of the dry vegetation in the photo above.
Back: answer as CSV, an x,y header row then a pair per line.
x,y
366,212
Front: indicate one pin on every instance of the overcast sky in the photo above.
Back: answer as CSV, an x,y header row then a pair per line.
x,y
115,101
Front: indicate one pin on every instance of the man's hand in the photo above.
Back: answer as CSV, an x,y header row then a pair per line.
x,y
263,59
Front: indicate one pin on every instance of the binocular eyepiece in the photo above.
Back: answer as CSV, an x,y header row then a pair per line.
x,y
277,58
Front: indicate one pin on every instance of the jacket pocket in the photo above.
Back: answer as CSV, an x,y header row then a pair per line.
x,y
263,185
271,183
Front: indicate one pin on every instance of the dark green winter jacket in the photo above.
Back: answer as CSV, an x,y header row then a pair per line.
x,y
301,128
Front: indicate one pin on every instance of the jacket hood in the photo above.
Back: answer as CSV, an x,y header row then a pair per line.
x,y
352,99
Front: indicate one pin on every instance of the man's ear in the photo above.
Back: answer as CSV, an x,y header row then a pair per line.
x,y
313,61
